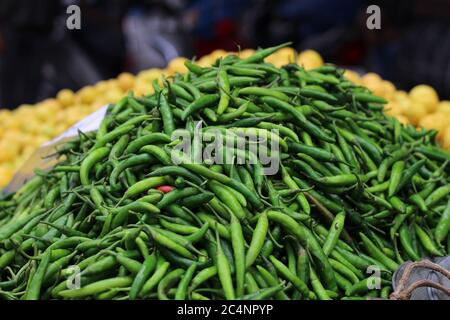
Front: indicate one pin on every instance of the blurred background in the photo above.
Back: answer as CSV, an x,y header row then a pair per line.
x,y
39,56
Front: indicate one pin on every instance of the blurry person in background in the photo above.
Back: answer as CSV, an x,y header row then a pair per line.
x,y
101,35
154,34
24,29
40,56
323,25
216,24
414,47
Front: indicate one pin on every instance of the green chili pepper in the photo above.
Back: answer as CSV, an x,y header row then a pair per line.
x,y
299,117
88,163
427,242
308,240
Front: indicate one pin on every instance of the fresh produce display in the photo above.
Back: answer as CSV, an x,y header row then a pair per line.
x,y
355,188
22,131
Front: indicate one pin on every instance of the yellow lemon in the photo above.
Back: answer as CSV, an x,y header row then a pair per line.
x,y
277,61
282,57
42,113
93,107
9,151
246,53
33,127
72,120
114,96
377,89
9,165
288,53
446,139
205,61
6,175
164,75
22,140
374,83
149,75
444,107
415,112
370,78
72,117
217,54
392,109
66,97
98,103
177,66
310,59
60,116
112,84
52,106
5,115
444,118
101,86
274,60
352,76
14,122
389,89
403,103
24,112
404,120
28,139
434,121
87,94
40,140
48,131
143,89
12,134
401,95
425,95
125,81
60,128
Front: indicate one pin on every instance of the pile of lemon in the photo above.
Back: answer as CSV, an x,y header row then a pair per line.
x,y
26,128
420,106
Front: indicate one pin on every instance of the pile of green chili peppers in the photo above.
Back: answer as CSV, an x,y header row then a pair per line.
x,y
117,219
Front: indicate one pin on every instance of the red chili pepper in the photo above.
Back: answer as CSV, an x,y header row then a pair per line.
x,y
165,189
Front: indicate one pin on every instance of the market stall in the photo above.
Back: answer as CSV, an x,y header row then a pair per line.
x,y
362,183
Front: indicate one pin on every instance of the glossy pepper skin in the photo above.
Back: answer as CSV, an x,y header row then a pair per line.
x,y
141,220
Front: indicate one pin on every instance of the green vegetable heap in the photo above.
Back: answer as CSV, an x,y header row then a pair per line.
x,y
354,189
